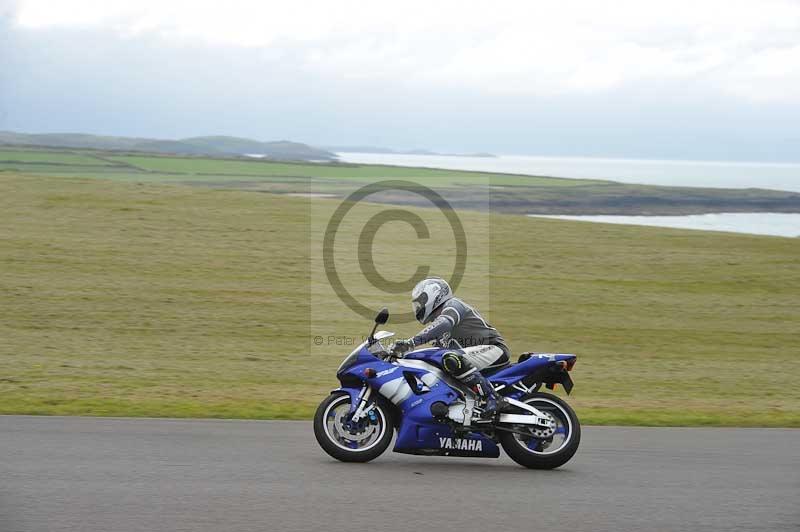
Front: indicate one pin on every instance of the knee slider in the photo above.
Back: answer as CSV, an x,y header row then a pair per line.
x,y
452,363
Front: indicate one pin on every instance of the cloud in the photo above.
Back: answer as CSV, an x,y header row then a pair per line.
x,y
745,48
539,78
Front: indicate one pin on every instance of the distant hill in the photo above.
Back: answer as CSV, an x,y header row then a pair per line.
x,y
71,140
173,146
228,145
378,149
283,150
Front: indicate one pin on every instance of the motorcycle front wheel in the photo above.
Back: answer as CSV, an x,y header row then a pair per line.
x,y
344,440
548,451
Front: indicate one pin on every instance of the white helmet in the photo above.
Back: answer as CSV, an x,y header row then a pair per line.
x,y
427,296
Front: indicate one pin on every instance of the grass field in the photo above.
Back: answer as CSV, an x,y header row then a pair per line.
x,y
51,157
202,169
510,193
346,172
151,299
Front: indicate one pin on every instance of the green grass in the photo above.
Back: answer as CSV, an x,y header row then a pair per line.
x,y
202,169
348,172
465,190
147,299
52,157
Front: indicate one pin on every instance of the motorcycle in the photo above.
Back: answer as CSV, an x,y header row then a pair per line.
x,y
436,415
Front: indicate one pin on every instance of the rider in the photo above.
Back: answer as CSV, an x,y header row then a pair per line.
x,y
473,344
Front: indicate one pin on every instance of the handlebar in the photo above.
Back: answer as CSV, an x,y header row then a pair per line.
x,y
392,353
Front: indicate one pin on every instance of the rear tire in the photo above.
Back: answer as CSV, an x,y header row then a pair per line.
x,y
345,445
534,453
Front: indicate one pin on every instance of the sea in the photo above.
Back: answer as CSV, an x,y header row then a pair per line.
x,y
714,174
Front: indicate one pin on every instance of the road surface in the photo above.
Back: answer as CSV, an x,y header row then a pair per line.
x,y
118,475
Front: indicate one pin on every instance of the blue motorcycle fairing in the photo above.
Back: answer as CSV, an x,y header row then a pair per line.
x,y
414,389
431,355
513,373
360,355
418,433
439,439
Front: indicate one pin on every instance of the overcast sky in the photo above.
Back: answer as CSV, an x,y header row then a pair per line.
x,y
673,79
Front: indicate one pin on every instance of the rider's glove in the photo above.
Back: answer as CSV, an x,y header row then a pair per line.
x,y
403,346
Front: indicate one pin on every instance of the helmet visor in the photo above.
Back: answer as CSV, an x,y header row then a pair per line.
x,y
418,305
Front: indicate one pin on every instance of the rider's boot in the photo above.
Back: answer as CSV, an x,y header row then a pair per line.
x,y
493,403
462,369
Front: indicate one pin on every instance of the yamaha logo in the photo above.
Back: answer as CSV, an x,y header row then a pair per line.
x,y
385,372
461,444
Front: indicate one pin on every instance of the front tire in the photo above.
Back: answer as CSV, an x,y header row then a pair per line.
x,y
360,443
550,452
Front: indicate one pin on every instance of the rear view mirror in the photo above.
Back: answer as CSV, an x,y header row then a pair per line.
x,y
382,317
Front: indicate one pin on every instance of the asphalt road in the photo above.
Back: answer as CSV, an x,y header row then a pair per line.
x,y
118,475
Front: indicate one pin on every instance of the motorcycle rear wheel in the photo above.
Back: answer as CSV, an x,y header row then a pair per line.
x,y
361,442
545,453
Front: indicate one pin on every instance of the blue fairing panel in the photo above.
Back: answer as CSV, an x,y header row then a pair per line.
x,y
420,433
515,372
438,439
431,355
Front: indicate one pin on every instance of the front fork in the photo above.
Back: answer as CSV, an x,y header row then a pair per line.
x,y
361,406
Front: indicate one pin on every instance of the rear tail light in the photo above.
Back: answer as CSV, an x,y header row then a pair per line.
x,y
567,364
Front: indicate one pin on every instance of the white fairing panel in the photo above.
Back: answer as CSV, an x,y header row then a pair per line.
x,y
396,390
